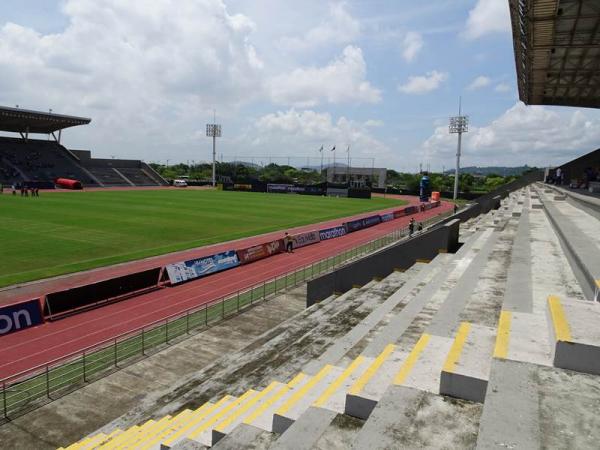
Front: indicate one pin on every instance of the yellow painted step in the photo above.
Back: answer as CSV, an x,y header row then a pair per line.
x,y
223,413
333,387
149,432
196,420
372,370
246,407
174,425
113,443
278,395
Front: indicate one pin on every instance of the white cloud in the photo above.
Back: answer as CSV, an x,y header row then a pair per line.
x,y
479,82
303,132
423,83
488,16
144,71
341,81
503,87
374,123
339,28
533,135
411,45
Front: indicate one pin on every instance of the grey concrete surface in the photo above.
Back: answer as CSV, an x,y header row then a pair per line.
x,y
246,437
141,385
399,284
535,407
306,431
409,419
517,295
340,434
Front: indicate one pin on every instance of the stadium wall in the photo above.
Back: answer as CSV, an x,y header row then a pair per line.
x,y
399,256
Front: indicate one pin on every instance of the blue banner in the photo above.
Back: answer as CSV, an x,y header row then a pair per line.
x,y
354,225
387,217
20,316
372,220
200,267
331,233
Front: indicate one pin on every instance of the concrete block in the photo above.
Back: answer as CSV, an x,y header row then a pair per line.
x,y
237,416
263,417
363,395
423,366
575,334
301,400
467,368
306,431
196,420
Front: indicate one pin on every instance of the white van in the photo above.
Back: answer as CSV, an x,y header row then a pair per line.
x,y
180,183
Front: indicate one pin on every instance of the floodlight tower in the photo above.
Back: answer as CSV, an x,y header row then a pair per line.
x,y
213,130
458,124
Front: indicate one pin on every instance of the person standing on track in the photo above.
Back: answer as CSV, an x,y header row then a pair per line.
x,y
289,243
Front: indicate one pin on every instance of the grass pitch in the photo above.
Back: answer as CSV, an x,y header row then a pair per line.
x,y
60,233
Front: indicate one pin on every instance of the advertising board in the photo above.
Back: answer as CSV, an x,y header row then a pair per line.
x,y
399,213
304,239
354,225
200,267
260,251
19,316
387,217
278,187
371,220
331,233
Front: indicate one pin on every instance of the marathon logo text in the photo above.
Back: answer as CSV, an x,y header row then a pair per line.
x,y
331,233
20,316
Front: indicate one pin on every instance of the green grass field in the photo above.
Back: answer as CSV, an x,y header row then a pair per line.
x,y
60,233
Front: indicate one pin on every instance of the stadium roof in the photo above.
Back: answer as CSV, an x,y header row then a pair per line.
x,y
19,120
557,51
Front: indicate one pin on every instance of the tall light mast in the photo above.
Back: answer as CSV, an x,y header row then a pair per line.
x,y
458,125
213,130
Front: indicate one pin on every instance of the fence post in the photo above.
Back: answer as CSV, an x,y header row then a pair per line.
x,y
223,307
238,301
295,272
167,331
264,289
4,400
47,381
143,342
187,322
84,369
205,314
116,353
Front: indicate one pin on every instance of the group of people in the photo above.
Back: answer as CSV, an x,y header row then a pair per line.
x,y
412,224
25,190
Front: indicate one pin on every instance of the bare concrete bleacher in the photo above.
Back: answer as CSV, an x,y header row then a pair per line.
x,y
494,346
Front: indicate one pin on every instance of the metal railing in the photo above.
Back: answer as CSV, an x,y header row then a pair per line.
x,y
33,388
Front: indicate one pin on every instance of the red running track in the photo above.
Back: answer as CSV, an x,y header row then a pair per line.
x,y
33,347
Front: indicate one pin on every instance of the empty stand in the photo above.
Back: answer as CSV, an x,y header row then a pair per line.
x,y
469,350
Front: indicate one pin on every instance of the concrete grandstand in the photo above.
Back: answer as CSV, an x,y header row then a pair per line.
x,y
484,338
35,162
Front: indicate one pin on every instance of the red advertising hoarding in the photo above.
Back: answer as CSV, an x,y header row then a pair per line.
x,y
260,251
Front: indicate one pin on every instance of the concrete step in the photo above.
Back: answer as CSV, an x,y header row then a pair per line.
x,y
262,417
363,395
246,437
196,420
203,433
575,335
528,406
221,428
422,368
371,323
306,431
580,236
302,398
153,442
409,418
466,371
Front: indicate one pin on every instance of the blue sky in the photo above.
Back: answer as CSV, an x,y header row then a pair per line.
x,y
285,78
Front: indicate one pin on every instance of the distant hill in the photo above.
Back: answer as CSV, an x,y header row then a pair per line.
x,y
498,170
